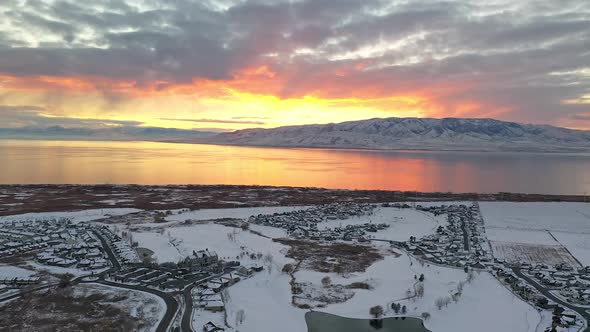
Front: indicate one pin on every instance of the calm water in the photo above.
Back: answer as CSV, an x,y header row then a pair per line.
x,y
161,163
324,322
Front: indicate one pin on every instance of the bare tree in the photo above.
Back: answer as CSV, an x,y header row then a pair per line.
x,y
268,258
288,268
420,290
376,311
439,303
65,280
225,296
240,317
460,286
231,236
409,293
470,277
447,300
425,315
326,281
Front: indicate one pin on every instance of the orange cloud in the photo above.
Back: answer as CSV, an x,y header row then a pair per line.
x,y
343,92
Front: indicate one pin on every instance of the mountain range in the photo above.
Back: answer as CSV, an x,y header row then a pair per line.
x,y
115,133
415,134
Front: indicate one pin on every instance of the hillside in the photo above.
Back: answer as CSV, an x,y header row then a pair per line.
x,y
416,133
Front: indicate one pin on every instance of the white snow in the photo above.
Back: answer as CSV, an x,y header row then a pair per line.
x,y
179,242
145,306
553,216
266,299
238,213
11,272
539,223
577,244
520,236
76,216
403,223
62,270
391,278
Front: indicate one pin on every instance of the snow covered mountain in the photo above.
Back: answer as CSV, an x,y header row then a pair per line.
x,y
416,133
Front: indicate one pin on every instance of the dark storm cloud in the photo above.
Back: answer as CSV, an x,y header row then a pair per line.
x,y
527,56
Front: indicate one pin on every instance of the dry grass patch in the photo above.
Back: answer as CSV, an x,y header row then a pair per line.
x,y
332,257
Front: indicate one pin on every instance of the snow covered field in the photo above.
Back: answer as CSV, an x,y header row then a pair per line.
x,y
144,306
532,253
403,223
238,213
577,244
515,230
266,297
554,216
513,227
10,272
391,278
76,216
178,242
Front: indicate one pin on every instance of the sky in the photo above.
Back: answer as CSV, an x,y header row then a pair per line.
x,y
265,63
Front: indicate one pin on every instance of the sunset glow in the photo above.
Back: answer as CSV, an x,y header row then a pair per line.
x,y
275,63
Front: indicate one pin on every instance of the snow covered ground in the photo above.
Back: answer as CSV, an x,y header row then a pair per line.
x,y
577,244
141,305
403,223
390,278
266,297
559,225
485,305
76,216
541,237
11,272
238,213
178,242
553,216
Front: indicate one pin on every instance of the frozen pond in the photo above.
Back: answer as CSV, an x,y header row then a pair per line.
x,y
323,322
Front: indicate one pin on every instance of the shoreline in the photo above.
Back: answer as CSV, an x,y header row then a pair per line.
x,y
73,197
555,151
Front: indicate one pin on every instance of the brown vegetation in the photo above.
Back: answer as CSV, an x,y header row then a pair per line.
x,y
344,257
46,198
60,310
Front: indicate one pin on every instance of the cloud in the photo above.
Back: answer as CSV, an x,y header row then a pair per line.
x,y
500,55
17,116
581,117
216,121
249,118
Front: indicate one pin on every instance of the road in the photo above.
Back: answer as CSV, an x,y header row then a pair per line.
x,y
465,235
549,295
187,315
107,248
171,303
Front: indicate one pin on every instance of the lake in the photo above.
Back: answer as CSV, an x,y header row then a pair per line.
x,y
59,162
324,322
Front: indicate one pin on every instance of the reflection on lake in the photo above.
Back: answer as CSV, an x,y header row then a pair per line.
x,y
324,322
163,163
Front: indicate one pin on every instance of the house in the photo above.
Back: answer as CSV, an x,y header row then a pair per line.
x,y
299,233
214,306
210,327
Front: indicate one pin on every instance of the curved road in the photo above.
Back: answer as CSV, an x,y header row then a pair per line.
x,y
171,304
185,324
582,311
